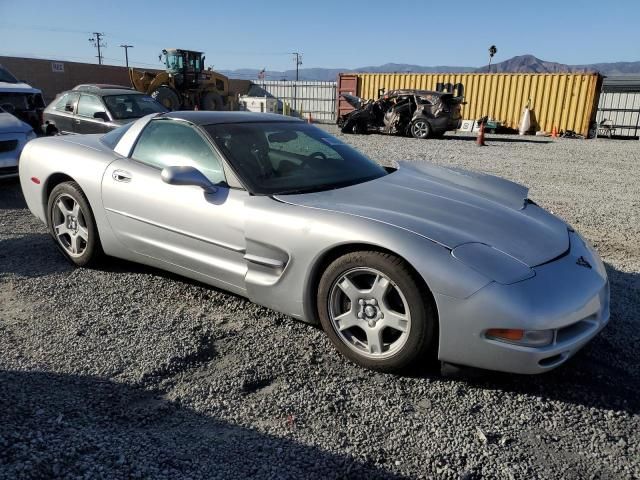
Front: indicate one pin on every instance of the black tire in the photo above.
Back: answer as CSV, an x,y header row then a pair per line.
x,y
347,127
167,97
212,101
420,341
357,126
360,128
420,128
90,250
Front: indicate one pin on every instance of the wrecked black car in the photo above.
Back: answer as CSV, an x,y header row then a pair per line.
x,y
419,113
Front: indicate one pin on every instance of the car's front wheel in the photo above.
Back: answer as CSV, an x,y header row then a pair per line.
x,y
420,128
72,225
376,312
167,97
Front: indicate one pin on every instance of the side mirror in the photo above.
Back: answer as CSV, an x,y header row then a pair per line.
x,y
102,116
187,176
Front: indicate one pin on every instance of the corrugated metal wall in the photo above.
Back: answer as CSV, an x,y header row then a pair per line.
x,y
620,104
566,101
303,97
623,110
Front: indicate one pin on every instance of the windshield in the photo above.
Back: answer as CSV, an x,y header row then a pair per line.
x,y
174,62
131,105
280,158
5,76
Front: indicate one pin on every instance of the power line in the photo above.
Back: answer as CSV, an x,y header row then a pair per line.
x,y
42,28
97,42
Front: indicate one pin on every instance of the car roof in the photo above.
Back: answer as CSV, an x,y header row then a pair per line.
x,y
212,118
103,90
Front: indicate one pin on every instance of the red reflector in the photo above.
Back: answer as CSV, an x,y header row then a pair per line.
x,y
35,180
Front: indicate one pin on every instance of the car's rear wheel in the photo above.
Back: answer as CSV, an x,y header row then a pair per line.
x,y
375,312
420,128
72,225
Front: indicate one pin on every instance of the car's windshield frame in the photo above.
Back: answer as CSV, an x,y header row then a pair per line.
x,y
248,176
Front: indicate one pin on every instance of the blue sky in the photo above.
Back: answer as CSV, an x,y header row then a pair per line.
x,y
340,34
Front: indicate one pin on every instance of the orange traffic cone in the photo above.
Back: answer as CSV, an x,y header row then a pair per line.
x,y
480,137
554,132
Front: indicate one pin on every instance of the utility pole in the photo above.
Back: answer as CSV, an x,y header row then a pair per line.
x,y
126,53
97,42
298,60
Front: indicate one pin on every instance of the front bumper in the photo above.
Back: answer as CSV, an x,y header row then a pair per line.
x,y
564,296
11,146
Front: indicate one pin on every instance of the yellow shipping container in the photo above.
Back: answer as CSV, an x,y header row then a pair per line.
x,y
565,100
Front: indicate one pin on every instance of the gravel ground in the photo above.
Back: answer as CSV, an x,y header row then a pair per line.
x,y
130,372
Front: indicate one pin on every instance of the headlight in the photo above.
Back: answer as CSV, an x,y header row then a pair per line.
x,y
492,263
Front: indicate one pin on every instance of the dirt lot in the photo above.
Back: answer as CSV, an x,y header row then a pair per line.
x,y
129,372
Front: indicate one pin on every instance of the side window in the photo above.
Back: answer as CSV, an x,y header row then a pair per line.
x,y
62,101
167,143
88,105
68,102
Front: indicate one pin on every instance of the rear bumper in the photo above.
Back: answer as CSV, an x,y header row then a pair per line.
x,y
570,299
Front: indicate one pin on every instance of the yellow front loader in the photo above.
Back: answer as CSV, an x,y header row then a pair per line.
x,y
184,85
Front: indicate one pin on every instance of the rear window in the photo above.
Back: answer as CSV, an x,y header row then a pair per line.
x,y
112,138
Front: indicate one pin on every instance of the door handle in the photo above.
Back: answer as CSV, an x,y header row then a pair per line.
x,y
77,121
121,176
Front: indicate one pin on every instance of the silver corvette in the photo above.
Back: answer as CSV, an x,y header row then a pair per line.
x,y
399,265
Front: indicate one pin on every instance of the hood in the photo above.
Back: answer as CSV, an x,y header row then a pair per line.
x,y
354,101
451,207
19,87
11,124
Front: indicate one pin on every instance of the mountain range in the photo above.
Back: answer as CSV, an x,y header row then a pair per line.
x,y
518,64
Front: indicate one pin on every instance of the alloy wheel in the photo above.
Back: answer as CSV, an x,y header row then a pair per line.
x,y
369,313
69,225
420,129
